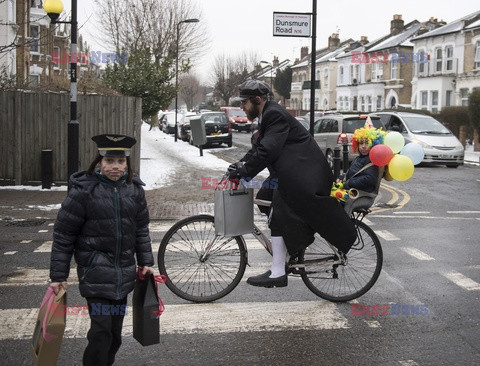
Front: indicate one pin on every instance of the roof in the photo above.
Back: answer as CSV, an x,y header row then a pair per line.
x,y
324,54
453,27
399,39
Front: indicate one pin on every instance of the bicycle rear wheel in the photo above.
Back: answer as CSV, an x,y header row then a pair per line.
x,y
329,277
200,266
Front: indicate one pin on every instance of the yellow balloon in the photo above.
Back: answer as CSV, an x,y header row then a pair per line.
x,y
387,176
401,167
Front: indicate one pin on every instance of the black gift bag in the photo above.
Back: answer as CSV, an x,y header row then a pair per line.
x,y
147,308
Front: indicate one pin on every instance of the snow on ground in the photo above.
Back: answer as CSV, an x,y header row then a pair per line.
x,y
160,157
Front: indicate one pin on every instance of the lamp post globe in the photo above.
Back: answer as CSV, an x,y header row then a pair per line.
x,y
193,20
53,8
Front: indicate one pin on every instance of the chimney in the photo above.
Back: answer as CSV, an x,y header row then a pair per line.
x,y
363,40
275,62
333,41
396,25
303,52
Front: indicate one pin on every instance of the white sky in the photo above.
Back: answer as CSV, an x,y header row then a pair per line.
x,y
236,27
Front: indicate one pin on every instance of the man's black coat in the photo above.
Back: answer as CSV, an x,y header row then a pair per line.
x,y
302,204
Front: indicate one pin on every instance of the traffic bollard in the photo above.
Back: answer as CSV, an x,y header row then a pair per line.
x,y
345,158
47,169
336,162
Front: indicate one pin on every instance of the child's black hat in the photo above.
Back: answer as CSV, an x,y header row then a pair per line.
x,y
117,145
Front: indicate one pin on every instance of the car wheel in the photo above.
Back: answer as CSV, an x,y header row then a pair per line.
x,y
452,165
229,143
329,156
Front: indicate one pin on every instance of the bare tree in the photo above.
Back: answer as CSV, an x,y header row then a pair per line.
x,y
190,90
138,24
229,72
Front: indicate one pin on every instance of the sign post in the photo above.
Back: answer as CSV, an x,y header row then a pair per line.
x,y
300,25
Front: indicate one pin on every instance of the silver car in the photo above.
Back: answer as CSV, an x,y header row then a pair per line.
x,y
335,130
439,143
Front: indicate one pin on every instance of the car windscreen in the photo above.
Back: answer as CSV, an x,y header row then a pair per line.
x,y
425,125
217,118
236,113
350,125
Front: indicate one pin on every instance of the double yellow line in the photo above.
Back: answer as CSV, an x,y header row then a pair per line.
x,y
398,195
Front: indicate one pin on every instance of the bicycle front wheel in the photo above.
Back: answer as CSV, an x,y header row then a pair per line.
x,y
338,280
199,265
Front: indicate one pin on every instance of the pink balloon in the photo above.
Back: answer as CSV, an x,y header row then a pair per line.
x,y
380,155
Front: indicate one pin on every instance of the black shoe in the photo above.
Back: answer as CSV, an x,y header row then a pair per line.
x,y
264,280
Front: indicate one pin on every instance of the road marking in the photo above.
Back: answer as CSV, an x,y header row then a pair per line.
x,y
367,221
210,318
51,224
461,280
373,323
34,277
158,227
463,212
423,217
10,253
417,254
411,212
46,247
386,235
25,241
408,363
43,231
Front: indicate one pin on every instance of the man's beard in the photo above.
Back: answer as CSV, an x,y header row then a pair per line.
x,y
253,113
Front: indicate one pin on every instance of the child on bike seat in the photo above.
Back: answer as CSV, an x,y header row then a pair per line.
x,y
363,174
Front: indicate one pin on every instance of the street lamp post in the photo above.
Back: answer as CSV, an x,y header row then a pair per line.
x,y
53,8
193,20
271,73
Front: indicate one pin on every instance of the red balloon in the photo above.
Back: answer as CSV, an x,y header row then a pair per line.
x,y
380,155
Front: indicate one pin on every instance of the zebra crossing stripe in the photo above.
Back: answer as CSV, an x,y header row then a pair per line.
x,y
199,318
414,252
461,280
386,235
46,247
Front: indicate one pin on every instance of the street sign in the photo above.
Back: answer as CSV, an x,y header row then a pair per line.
x,y
292,24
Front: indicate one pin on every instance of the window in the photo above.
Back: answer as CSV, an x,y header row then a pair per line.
x,y
377,71
477,55
11,11
340,75
434,95
464,97
449,58
424,100
369,103
34,38
340,103
448,98
438,60
347,104
421,65
34,80
362,104
379,102
393,73
325,78
56,57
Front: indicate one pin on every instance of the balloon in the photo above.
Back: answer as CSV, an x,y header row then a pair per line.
x,y
387,175
401,167
380,155
414,151
394,140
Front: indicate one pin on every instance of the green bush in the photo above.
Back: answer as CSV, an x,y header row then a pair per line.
x,y
453,118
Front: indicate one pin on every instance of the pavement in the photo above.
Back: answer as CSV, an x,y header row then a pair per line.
x,y
28,205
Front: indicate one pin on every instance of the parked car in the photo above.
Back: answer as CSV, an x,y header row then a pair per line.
x,y
335,130
184,126
439,143
217,128
167,121
237,117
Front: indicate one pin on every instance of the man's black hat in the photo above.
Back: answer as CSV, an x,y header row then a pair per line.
x,y
117,145
253,88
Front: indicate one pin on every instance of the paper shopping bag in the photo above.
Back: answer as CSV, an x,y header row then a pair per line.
x,y
147,308
49,328
233,212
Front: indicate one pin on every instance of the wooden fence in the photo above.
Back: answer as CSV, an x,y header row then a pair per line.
x,y
31,122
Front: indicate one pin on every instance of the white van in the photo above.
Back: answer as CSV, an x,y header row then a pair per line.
x,y
439,143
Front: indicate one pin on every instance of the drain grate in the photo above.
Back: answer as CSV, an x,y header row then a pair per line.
x,y
24,223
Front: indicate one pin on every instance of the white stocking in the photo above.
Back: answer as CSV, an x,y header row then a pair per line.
x,y
279,257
